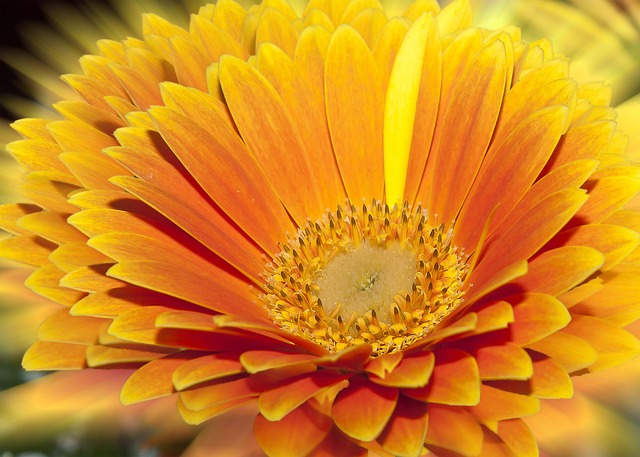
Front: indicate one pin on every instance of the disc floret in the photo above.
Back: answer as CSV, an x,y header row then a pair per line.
x,y
373,274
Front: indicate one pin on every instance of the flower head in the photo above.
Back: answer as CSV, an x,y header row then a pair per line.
x,y
385,232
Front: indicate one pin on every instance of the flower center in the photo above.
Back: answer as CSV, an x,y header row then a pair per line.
x,y
377,275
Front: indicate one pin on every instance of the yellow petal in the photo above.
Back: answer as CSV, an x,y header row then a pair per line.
x,y
412,69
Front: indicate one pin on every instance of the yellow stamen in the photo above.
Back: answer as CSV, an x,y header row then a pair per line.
x,y
377,275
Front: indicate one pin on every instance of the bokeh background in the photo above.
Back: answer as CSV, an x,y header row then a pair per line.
x,y
78,413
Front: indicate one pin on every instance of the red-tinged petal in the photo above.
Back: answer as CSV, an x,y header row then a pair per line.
x,y
405,433
297,434
356,128
256,361
232,294
518,437
536,316
381,366
353,357
613,241
559,270
613,344
46,355
455,380
62,327
465,324
337,444
569,351
508,361
453,429
206,368
266,127
496,405
363,409
493,446
412,371
276,403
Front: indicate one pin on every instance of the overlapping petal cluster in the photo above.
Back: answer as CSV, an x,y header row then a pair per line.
x,y
194,155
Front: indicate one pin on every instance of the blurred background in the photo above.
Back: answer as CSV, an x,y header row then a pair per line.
x,y
79,414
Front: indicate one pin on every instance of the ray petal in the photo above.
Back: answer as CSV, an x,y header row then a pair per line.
x,y
356,128
405,433
447,425
363,409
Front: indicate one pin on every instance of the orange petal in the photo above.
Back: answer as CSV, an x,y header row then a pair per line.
x,y
572,353
232,294
508,361
606,196
493,316
571,175
276,403
46,355
212,40
90,279
356,127
337,444
536,315
152,380
229,16
45,281
583,142
363,409
10,213
206,368
405,432
299,84
502,180
613,344
267,129
616,299
298,433
30,250
549,379
556,271
387,46
256,361
381,366
540,224
463,134
496,405
446,427
197,417
103,356
516,435
412,371
613,241
455,380
190,214
62,327
201,398
274,27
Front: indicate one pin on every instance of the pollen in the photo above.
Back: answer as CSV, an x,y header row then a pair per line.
x,y
370,274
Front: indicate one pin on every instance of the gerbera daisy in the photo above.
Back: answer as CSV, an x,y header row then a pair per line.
x,y
384,232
